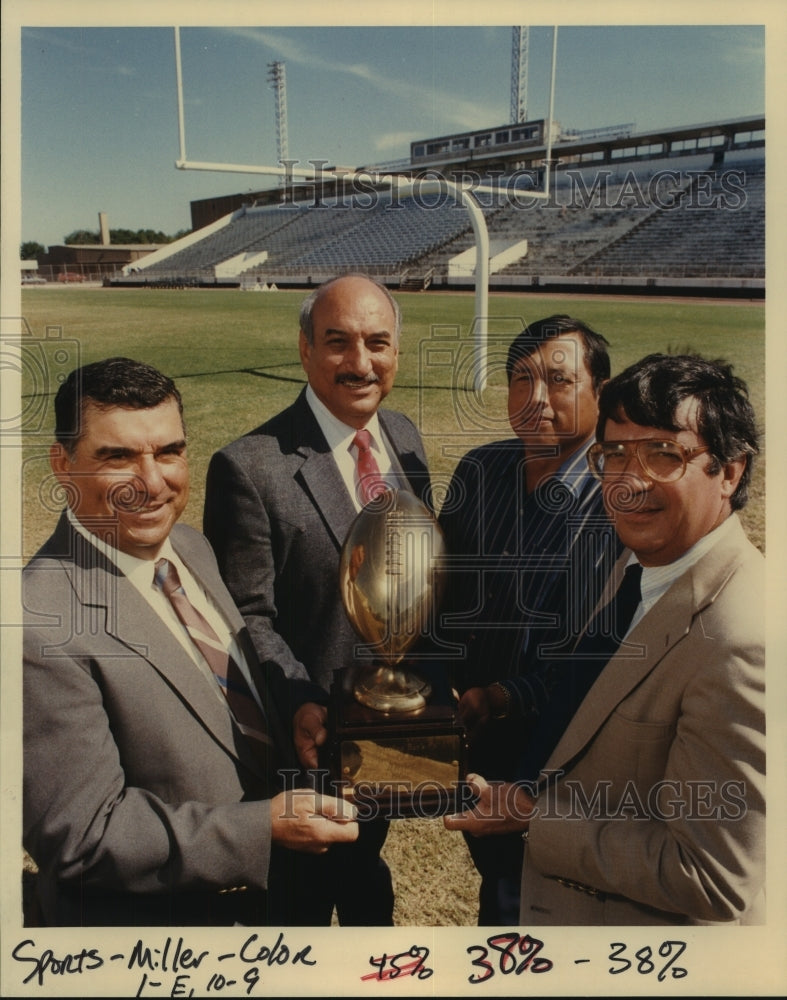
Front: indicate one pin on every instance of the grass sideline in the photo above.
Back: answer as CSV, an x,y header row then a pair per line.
x,y
235,359
234,356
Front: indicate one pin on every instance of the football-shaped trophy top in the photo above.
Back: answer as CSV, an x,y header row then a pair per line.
x,y
391,583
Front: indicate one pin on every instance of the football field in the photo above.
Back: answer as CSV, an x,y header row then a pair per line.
x,y
234,356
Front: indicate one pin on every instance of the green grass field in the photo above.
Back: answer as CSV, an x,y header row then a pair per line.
x,y
235,358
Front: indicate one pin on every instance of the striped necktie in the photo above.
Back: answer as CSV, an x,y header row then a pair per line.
x,y
370,479
244,708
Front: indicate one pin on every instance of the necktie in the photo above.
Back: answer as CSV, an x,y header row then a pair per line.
x,y
370,479
606,631
571,681
244,708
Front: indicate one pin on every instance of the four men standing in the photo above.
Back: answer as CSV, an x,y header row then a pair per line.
x,y
159,709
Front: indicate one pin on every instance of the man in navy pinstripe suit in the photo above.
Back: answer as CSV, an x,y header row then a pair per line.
x,y
526,517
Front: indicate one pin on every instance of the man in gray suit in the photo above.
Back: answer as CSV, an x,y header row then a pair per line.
x,y
153,747
650,809
278,506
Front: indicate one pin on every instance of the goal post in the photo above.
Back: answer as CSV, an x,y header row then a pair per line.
x,y
463,194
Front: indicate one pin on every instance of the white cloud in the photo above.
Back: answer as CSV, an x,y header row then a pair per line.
x,y
54,40
393,140
458,114
739,48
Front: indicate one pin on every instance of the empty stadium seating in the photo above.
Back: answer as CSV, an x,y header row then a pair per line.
x,y
712,226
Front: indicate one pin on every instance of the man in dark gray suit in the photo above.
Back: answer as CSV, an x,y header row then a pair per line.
x,y
153,748
279,504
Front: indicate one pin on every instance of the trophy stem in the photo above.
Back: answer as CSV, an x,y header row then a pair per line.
x,y
390,690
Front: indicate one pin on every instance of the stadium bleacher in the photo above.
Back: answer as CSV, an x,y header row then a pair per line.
x,y
711,229
708,233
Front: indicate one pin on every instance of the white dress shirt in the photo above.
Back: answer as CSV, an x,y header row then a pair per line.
x,y
656,580
140,573
340,440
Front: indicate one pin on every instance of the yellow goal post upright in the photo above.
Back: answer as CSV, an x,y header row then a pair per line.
x,y
462,193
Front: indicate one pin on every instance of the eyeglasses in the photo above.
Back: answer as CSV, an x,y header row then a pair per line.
x,y
664,461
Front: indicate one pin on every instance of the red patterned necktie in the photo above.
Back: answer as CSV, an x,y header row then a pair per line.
x,y
370,479
245,709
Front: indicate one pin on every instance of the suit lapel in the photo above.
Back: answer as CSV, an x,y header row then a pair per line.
x,y
202,568
130,620
646,645
667,622
320,474
329,494
410,462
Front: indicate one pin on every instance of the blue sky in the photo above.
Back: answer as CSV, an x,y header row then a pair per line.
x,y
99,114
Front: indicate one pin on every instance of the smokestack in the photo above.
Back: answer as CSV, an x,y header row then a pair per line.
x,y
103,226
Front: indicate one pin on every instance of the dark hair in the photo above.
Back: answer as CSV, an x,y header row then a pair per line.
x,y
534,334
307,306
108,383
650,391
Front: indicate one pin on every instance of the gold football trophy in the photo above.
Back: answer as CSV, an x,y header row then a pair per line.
x,y
394,735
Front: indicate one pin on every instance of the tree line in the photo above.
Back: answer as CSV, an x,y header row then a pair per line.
x,y
31,249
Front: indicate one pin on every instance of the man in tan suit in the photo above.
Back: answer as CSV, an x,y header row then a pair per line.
x,y
650,810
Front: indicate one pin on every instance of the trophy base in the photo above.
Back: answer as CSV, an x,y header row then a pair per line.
x,y
392,692
397,765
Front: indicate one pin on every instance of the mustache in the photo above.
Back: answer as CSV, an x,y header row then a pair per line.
x,y
348,379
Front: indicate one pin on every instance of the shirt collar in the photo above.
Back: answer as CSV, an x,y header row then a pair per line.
x,y
575,471
657,579
132,567
337,433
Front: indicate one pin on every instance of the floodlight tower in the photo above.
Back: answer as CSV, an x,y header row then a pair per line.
x,y
520,38
277,78
462,193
